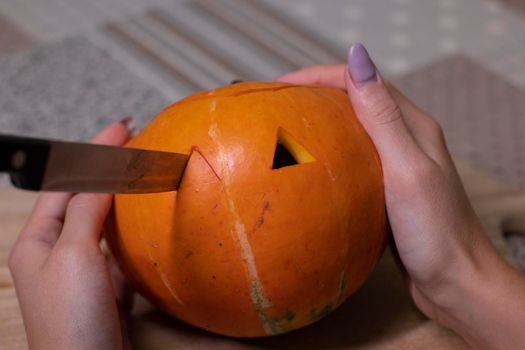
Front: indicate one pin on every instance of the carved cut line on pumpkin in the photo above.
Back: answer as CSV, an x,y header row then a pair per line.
x,y
289,152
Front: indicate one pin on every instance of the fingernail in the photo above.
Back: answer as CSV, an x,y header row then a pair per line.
x,y
129,123
360,66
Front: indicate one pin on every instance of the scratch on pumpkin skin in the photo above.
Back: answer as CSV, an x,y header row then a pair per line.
x,y
260,220
266,206
167,284
259,300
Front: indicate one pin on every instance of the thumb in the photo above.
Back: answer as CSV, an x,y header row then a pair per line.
x,y
377,111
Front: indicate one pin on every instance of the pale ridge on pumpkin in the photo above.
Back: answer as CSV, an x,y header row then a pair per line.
x,y
166,282
306,123
329,171
259,300
164,278
341,288
162,275
213,106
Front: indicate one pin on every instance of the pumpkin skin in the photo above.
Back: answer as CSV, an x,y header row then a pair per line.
x,y
242,249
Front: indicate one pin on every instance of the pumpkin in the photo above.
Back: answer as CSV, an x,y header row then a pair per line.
x,y
279,216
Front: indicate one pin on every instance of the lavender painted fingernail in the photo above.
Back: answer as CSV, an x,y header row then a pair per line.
x,y
129,123
360,65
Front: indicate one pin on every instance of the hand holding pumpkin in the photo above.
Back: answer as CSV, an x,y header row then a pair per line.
x,y
453,271
67,292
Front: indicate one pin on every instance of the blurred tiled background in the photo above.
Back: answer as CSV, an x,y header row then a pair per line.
x,y
68,67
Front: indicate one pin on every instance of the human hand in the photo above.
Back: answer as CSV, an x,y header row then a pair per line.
x,y
69,296
453,271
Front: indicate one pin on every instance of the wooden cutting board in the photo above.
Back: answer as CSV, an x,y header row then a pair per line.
x,y
380,315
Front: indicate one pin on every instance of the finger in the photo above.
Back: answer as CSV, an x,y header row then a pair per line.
x,y
378,112
123,291
43,227
47,216
423,128
117,133
85,216
125,298
327,75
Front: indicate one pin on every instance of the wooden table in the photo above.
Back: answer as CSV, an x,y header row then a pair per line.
x,y
380,315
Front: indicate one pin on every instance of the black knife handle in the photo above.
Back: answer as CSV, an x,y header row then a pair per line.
x,y
25,160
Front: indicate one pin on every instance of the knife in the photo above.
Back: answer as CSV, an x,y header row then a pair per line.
x,y
48,165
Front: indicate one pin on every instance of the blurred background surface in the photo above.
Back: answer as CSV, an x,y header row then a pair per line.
x,y
69,67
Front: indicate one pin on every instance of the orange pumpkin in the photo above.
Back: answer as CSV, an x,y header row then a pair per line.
x,y
279,217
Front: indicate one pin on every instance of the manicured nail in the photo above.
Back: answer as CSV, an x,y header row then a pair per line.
x,y
129,123
360,66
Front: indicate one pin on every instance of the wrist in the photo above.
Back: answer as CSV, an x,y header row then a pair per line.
x,y
485,303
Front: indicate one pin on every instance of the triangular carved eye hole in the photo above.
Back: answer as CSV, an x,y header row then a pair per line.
x,y
289,152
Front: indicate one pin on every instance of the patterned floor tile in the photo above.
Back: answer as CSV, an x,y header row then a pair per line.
x,y
403,35
483,116
199,45
52,20
184,46
70,90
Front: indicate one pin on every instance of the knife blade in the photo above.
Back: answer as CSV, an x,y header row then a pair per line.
x,y
49,165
